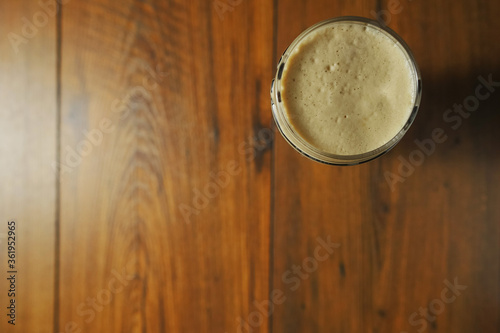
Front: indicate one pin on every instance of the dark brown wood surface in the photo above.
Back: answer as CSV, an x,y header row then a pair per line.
x,y
398,245
175,206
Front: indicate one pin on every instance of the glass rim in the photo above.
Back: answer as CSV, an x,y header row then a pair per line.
x,y
312,152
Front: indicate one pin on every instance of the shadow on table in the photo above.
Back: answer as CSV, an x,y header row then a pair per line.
x,y
467,109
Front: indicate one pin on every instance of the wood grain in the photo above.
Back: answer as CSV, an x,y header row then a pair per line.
x,y
397,248
180,210
184,88
28,149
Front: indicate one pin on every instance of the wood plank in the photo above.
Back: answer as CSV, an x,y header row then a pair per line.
x,y
397,248
183,88
460,178
28,149
318,201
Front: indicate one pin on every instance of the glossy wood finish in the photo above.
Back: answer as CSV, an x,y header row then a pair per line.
x,y
181,90
177,207
28,147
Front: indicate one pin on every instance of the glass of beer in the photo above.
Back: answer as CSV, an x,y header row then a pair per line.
x,y
346,91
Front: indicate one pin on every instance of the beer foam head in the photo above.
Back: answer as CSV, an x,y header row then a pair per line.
x,y
348,88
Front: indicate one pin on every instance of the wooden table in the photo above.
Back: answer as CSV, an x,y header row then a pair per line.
x,y
152,193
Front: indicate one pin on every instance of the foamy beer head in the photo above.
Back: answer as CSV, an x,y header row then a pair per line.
x,y
346,91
